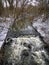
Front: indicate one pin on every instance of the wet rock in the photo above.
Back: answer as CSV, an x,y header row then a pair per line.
x,y
25,50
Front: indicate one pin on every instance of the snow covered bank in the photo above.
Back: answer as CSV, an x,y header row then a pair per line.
x,y
4,27
42,27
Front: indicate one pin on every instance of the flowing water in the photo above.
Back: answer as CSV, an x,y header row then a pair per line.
x,y
23,50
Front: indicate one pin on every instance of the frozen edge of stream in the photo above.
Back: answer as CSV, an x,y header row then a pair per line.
x,y
4,27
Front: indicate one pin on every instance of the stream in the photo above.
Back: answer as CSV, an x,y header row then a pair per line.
x,y
22,48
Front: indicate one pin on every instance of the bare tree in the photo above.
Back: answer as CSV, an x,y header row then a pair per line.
x,y
1,7
11,3
19,12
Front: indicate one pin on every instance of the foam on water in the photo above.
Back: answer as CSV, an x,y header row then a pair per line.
x,y
26,51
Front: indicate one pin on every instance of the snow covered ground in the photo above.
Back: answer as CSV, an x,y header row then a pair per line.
x,y
4,27
42,28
